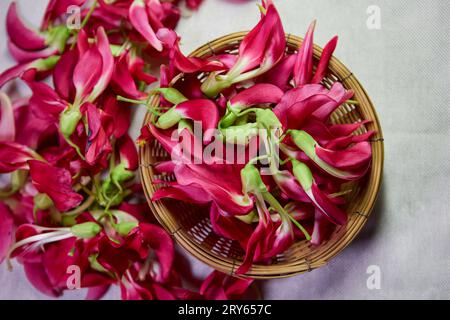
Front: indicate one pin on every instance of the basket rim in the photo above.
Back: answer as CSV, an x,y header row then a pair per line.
x,y
282,270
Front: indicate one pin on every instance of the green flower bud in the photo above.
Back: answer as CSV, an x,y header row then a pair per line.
x,y
172,95
86,230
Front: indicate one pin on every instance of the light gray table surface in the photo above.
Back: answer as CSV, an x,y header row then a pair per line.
x,y
405,68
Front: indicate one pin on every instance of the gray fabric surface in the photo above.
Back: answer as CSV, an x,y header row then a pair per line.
x,y
405,68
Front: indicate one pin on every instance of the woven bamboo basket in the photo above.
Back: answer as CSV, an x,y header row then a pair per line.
x,y
191,227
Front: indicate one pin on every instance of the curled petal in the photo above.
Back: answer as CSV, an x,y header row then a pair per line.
x,y
21,55
22,36
63,73
357,156
228,226
99,125
258,94
56,183
107,64
87,73
322,67
122,80
160,241
304,64
281,73
140,21
318,198
202,110
190,193
348,164
128,153
220,182
14,156
219,286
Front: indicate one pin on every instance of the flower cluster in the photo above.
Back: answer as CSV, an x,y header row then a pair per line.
x,y
67,162
261,93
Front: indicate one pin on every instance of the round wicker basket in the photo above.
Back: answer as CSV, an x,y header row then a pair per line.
x,y
191,227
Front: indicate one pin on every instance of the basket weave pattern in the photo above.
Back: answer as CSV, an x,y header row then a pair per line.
x,y
191,227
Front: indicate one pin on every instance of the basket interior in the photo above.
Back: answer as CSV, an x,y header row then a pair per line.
x,y
190,224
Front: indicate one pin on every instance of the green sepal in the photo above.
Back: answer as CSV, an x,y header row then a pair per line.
x,y
42,201
251,180
303,174
86,230
172,95
57,37
125,228
168,119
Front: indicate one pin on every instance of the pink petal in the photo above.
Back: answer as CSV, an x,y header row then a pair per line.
x,y
160,241
99,146
120,113
38,277
122,80
212,287
289,186
107,64
228,226
96,293
56,183
322,67
22,36
202,110
283,238
21,55
87,73
221,182
262,42
128,153
258,94
140,21
304,64
322,228
191,194
13,73
63,73
45,102
6,230
14,156
280,75
7,126
357,156
332,212
193,4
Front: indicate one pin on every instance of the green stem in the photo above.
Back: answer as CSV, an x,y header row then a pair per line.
x,y
277,206
88,16
134,101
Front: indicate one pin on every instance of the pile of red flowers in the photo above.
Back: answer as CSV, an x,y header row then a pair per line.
x,y
69,197
69,200
285,182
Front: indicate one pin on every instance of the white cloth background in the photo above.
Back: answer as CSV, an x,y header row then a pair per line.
x,y
405,67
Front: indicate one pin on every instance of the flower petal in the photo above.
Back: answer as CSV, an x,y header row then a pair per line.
x,y
322,67
6,230
7,126
140,21
22,36
56,183
304,64
14,156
